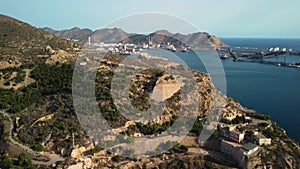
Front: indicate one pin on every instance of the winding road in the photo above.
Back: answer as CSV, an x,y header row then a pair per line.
x,y
53,158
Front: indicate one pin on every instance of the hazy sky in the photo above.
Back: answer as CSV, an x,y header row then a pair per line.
x,y
224,18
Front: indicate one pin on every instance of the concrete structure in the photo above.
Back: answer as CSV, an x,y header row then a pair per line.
x,y
236,136
233,149
82,63
241,153
230,132
260,139
249,149
230,148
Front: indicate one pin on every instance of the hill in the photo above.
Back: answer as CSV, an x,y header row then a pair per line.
x,y
75,33
21,43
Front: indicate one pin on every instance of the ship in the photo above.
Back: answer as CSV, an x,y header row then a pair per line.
x,y
224,55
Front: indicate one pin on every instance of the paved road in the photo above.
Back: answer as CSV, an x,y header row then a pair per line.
x,y
53,158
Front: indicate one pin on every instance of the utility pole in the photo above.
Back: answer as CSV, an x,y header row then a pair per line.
x,y
73,140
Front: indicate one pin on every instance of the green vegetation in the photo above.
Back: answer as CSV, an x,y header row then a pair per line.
x,y
149,129
24,161
38,147
50,79
216,134
259,116
5,161
95,150
117,158
21,163
59,129
8,72
239,120
142,86
274,132
197,127
103,95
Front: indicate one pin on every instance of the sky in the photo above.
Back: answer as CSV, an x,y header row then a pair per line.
x,y
224,18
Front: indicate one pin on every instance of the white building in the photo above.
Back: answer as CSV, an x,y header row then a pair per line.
x,y
230,132
260,139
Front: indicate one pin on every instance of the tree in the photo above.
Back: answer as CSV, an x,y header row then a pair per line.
x,y
117,158
216,133
38,147
22,159
5,161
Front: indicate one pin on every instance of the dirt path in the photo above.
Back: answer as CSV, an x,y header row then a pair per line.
x,y
27,81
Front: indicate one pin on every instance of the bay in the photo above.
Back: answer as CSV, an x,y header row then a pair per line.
x,y
267,89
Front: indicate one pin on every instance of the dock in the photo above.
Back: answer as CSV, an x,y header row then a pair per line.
x,y
255,55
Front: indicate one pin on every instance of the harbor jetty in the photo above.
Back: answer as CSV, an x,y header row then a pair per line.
x,y
263,56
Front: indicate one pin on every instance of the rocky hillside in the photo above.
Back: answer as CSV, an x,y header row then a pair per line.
x,y
39,114
21,43
107,35
199,40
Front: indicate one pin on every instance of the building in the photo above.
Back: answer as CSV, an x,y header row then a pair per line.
x,y
230,132
249,149
236,136
260,139
234,150
241,153
82,63
230,148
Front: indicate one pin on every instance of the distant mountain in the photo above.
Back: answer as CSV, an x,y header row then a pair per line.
x,y
109,35
27,44
74,33
49,30
101,35
199,40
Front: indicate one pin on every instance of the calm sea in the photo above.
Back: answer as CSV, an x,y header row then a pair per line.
x,y
267,89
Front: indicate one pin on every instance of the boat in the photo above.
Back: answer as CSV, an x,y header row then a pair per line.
x,y
224,55
186,49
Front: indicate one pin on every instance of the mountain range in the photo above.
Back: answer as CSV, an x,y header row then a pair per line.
x,y
198,40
